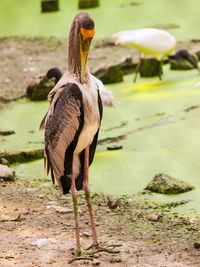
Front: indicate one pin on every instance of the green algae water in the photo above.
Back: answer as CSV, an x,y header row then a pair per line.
x,y
160,129
25,18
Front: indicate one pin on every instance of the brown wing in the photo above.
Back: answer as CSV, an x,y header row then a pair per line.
x,y
61,125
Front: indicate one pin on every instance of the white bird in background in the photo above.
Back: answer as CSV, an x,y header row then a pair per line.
x,y
151,41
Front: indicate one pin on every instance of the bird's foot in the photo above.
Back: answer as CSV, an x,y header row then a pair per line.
x,y
95,248
88,253
80,255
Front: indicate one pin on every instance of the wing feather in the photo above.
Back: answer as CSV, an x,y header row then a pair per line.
x,y
61,125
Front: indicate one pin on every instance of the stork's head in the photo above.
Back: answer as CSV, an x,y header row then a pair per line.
x,y
85,33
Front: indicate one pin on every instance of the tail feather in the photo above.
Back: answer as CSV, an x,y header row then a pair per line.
x,y
66,182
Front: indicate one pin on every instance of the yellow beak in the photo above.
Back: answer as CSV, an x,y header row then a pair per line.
x,y
84,51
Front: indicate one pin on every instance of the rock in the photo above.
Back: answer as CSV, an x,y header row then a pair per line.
x,y
154,217
43,242
4,161
182,64
127,65
7,173
164,184
7,132
88,3
196,51
62,210
150,67
109,73
114,147
22,155
96,262
113,202
85,234
115,259
193,220
6,218
39,88
49,5
197,245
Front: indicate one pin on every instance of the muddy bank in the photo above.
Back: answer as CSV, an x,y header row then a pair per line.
x,y
169,241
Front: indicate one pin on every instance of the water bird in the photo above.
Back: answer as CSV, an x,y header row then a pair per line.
x,y
151,41
40,86
73,120
183,53
54,72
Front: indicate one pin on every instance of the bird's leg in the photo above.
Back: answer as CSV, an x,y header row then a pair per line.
x,y
160,69
138,67
75,202
87,195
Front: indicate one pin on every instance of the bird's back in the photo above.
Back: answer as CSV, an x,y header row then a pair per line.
x,y
148,40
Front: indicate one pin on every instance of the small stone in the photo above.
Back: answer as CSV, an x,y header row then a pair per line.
x,y
114,147
7,132
96,262
4,161
154,217
7,173
115,259
43,242
113,202
7,80
193,220
26,212
197,245
62,210
85,234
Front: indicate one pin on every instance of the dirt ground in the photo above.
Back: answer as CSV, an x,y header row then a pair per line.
x,y
140,242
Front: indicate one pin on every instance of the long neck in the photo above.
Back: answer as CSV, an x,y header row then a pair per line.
x,y
73,51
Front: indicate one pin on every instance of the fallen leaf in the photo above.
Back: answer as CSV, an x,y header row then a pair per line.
x,y
6,218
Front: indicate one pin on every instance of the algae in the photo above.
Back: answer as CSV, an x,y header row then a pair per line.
x,y
165,184
22,155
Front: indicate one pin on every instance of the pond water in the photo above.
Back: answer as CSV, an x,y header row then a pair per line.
x,y
160,120
112,16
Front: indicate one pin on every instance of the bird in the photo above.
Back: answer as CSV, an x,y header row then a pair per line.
x,y
54,72
73,120
40,86
149,41
183,53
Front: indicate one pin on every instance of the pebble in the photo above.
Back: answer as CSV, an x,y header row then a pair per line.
x,y
193,220
62,210
197,245
113,202
115,259
154,217
43,242
85,234
96,262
